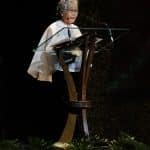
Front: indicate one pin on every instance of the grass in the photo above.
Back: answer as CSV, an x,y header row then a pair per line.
x,y
123,142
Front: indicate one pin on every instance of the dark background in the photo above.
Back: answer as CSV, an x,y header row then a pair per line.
x,y
119,80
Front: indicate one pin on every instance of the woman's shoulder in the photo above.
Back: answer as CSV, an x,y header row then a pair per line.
x,y
56,23
59,23
53,24
74,25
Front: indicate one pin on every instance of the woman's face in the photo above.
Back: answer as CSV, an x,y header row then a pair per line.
x,y
69,16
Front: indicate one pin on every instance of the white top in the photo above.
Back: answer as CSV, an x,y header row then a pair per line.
x,y
54,34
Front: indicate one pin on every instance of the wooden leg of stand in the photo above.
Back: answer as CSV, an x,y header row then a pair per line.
x,y
85,123
69,129
67,133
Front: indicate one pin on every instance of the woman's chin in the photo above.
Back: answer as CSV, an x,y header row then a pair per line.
x,y
70,21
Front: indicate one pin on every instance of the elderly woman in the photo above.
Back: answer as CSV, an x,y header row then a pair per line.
x,y
45,65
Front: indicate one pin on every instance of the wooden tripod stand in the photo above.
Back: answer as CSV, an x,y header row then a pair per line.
x,y
81,103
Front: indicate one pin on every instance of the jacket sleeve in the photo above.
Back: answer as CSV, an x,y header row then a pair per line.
x,y
41,66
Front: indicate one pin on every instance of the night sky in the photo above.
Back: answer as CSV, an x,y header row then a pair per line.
x,y
27,104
